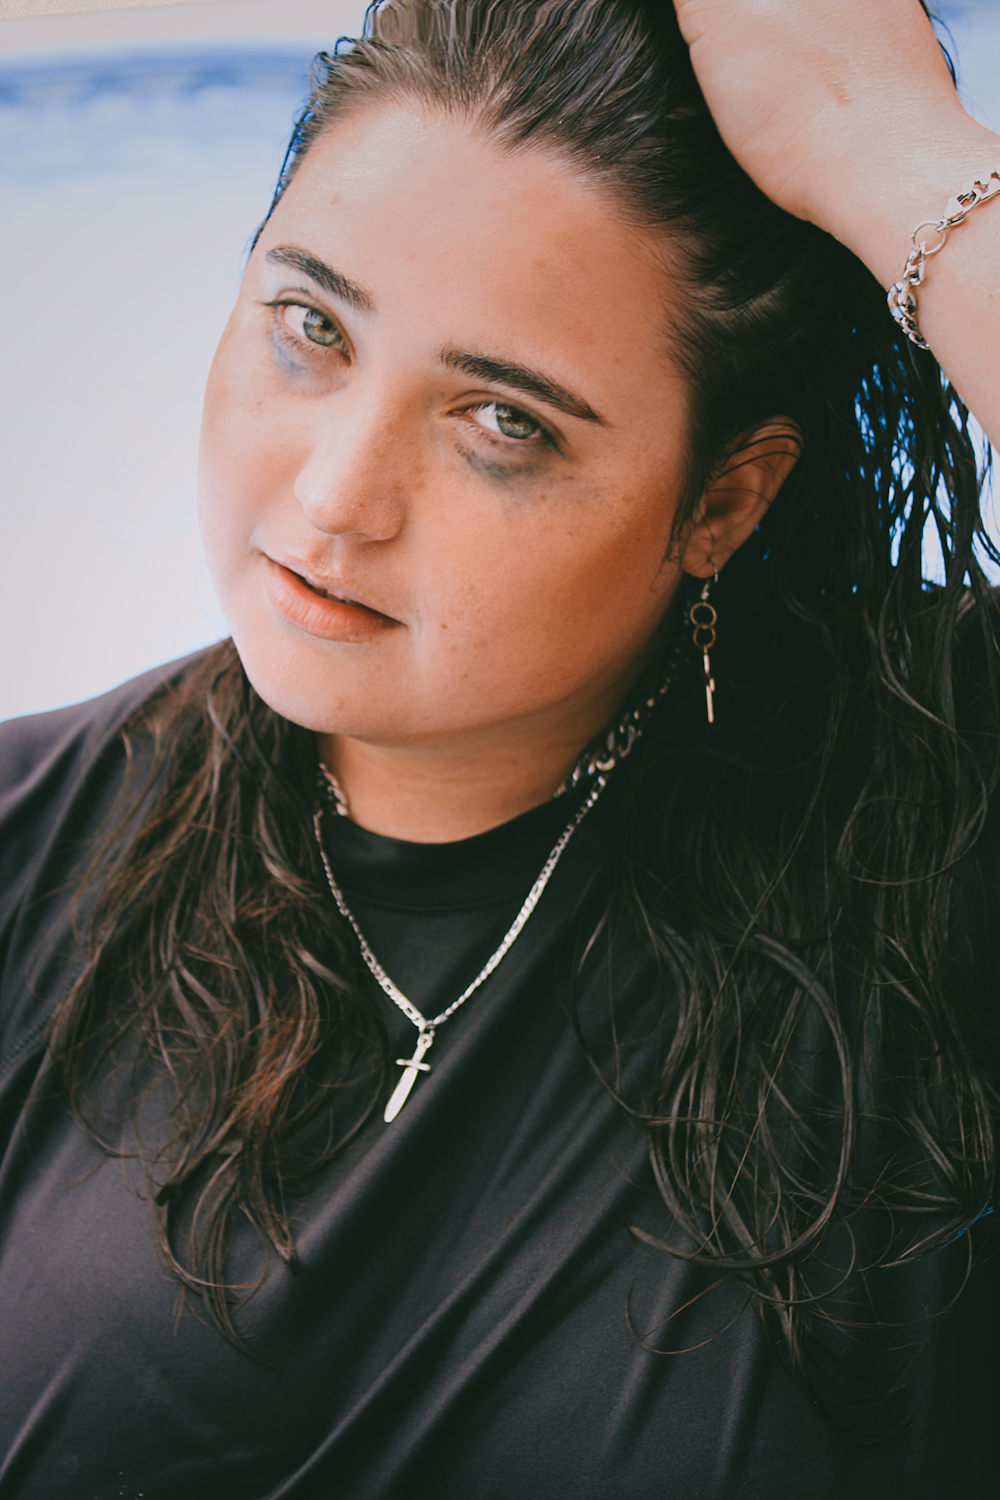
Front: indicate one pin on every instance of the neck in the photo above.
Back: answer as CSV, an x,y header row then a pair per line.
x,y
438,793
430,798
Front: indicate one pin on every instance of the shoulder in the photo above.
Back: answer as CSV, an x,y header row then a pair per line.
x,y
65,778
40,749
48,759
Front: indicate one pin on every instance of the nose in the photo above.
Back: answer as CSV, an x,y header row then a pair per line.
x,y
358,470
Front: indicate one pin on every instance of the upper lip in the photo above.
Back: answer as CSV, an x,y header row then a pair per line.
x,y
330,584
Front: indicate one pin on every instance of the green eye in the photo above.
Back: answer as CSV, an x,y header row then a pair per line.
x,y
318,329
513,423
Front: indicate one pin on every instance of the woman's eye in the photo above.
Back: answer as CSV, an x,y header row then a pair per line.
x,y
309,324
508,421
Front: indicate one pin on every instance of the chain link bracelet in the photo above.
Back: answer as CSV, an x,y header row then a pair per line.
x,y
902,302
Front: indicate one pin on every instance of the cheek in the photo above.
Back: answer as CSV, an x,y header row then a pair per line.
x,y
245,459
541,609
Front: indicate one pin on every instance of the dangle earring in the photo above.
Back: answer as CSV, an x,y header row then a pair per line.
x,y
704,617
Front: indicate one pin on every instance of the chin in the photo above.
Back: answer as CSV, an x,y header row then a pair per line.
x,y
307,687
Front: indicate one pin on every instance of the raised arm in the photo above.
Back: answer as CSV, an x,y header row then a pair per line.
x,y
844,113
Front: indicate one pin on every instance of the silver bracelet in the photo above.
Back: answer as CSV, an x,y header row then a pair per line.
x,y
902,302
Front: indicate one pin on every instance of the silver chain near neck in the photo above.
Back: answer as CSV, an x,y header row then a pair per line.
x,y
426,1028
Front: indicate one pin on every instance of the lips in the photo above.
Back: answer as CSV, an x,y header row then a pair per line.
x,y
316,606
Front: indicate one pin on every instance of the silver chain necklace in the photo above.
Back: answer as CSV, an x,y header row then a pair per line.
x,y
597,759
426,1028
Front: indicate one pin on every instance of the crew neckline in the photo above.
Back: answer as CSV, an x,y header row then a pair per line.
x,y
503,861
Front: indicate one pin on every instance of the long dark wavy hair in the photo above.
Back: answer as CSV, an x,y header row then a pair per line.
x,y
800,872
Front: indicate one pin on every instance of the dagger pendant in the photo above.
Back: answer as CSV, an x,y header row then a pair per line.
x,y
411,1067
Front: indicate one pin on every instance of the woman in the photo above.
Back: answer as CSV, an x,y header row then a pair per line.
x,y
591,742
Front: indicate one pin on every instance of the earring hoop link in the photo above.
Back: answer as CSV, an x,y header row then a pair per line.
x,y
704,618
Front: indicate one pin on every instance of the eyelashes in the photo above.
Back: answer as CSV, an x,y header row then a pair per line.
x,y
303,332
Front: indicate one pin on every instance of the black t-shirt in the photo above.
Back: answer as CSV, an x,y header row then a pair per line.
x,y
471,1315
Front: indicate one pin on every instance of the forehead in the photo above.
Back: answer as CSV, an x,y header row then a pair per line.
x,y
443,225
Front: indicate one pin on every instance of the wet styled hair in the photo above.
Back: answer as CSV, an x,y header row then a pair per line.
x,y
802,872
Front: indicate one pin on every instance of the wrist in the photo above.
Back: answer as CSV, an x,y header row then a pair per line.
x,y
913,179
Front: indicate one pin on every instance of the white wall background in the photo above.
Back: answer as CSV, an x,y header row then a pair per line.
x,y
138,150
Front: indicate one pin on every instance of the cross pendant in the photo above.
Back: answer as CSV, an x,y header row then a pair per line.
x,y
411,1067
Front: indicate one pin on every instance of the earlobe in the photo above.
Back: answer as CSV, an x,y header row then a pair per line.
x,y
737,498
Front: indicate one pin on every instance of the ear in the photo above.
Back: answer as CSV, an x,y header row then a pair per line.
x,y
736,500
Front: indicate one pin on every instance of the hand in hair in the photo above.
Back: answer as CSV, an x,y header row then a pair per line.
x,y
845,114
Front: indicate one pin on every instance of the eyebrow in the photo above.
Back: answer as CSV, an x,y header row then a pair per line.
x,y
499,372
325,276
